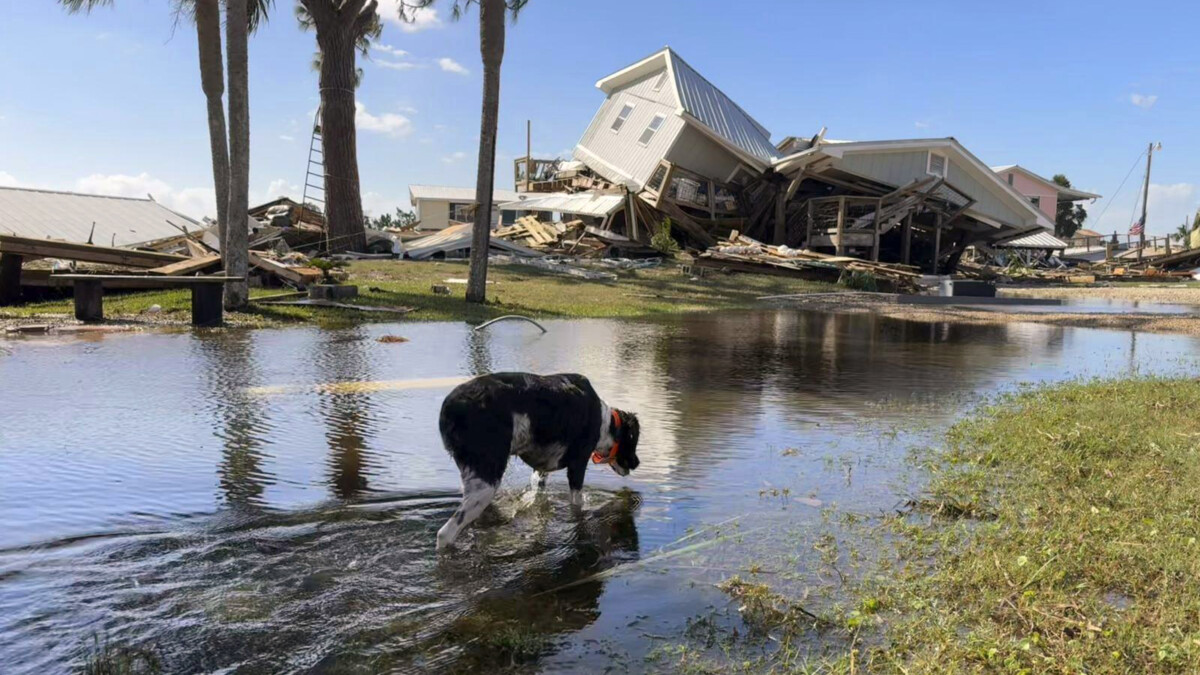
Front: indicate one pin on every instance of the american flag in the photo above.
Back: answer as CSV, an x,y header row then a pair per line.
x,y
1138,227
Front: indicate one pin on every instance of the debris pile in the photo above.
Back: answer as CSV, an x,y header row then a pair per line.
x,y
739,253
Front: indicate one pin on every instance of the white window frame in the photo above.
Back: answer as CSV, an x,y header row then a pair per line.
x,y
662,79
615,127
929,165
651,129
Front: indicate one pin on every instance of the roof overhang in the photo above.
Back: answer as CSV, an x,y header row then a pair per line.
x,y
1064,194
632,72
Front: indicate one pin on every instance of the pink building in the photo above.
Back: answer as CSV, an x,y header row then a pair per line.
x,y
1045,194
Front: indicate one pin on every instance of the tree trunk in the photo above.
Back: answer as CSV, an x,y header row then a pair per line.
x,y
235,247
343,195
491,47
212,80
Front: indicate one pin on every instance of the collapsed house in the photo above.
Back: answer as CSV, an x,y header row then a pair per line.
x,y
668,145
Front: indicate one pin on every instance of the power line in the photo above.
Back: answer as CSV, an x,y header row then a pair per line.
x,y
1114,197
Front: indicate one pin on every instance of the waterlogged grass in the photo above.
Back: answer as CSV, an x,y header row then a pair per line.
x,y
512,289
1058,534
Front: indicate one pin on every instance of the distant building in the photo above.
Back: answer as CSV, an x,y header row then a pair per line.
x,y
1040,191
439,207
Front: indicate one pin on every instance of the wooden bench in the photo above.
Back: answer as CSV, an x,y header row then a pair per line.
x,y
89,293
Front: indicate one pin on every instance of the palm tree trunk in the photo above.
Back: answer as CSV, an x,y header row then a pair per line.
x,y
212,80
235,247
491,47
343,195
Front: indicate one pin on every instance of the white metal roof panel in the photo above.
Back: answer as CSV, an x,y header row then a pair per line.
x,y
708,104
119,221
582,203
456,194
1041,239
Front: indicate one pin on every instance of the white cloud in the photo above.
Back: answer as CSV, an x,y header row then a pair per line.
x,y
281,188
9,180
422,19
407,109
375,204
1169,204
398,65
440,127
454,157
388,49
1143,101
196,202
285,137
921,125
394,125
451,66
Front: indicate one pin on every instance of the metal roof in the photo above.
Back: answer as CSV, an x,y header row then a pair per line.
x,y
582,203
1041,239
455,194
711,107
458,238
119,221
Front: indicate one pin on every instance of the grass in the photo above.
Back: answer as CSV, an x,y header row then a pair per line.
x,y
517,290
1061,536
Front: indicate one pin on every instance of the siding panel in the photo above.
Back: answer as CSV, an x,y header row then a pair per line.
x,y
696,152
621,150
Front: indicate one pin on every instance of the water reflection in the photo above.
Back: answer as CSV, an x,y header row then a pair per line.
x,y
241,421
109,524
348,418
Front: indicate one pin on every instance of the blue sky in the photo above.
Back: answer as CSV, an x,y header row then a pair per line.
x,y
111,102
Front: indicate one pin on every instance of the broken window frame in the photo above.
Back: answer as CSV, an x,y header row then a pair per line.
x,y
721,199
651,129
461,208
622,117
929,164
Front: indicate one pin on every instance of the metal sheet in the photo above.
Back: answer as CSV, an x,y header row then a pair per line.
x,y
119,221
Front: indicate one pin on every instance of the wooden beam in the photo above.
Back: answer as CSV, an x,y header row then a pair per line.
x,y
189,266
89,300
795,184
878,225
937,243
207,304
840,248
10,278
297,275
906,242
49,248
809,230
780,219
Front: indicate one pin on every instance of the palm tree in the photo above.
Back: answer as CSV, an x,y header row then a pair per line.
x,y
343,28
235,246
491,47
207,17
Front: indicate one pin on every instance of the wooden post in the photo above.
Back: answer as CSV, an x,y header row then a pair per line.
x,y
780,218
89,300
840,248
878,225
808,230
528,153
10,278
712,201
631,220
937,243
906,243
206,304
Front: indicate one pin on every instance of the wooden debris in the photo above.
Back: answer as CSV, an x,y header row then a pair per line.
x,y
29,247
301,276
185,267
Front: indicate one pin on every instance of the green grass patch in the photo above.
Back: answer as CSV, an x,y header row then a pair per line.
x,y
516,290
1085,558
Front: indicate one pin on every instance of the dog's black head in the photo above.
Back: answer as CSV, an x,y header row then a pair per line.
x,y
627,440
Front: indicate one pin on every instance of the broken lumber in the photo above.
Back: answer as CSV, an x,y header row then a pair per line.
x,y
65,250
188,266
302,276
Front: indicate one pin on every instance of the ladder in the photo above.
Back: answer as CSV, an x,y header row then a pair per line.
x,y
314,180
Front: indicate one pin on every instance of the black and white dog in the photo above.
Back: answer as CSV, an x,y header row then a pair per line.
x,y
551,422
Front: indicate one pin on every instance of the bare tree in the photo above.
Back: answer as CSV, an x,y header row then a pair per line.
x,y
344,28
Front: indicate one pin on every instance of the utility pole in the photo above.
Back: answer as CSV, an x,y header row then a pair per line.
x,y
528,152
1145,196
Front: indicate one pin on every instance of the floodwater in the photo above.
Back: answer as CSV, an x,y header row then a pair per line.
x,y
225,502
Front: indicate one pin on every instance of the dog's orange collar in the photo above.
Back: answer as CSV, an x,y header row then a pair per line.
x,y
597,458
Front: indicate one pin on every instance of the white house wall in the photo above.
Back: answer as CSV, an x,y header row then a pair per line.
x,y
902,167
621,157
434,214
696,152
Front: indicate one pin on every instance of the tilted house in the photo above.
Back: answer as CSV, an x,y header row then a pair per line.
x,y
680,148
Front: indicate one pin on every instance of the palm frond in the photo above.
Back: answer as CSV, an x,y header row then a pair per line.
x,y
258,12
74,6
303,17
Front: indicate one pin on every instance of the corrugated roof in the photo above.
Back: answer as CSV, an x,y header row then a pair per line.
x,y
120,221
456,194
1041,239
583,203
709,105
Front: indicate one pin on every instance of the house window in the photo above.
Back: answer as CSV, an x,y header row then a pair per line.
x,y
653,127
657,178
1010,179
462,213
624,115
662,79
937,165
1036,201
